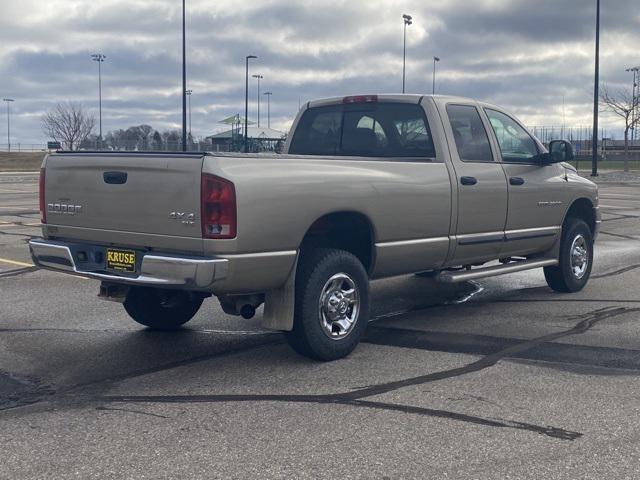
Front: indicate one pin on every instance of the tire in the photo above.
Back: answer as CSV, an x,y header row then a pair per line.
x,y
331,304
576,258
161,309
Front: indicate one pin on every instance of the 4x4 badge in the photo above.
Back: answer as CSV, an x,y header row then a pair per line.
x,y
185,218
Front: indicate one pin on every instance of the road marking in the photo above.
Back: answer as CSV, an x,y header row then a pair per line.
x,y
628,195
13,262
13,224
619,207
23,264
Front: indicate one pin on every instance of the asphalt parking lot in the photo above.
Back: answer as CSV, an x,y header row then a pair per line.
x,y
496,379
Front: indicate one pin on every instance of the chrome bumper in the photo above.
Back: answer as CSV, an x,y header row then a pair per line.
x,y
167,271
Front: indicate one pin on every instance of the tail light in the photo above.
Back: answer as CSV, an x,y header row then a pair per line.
x,y
217,207
43,205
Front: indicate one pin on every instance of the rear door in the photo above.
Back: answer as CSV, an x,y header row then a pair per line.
x,y
131,199
480,183
536,192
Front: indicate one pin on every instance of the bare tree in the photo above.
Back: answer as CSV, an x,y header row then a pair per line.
x,y
623,103
69,124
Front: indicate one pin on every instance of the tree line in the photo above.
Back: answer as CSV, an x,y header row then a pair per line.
x,y
71,125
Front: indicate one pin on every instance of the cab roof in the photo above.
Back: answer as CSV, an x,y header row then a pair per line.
x,y
386,97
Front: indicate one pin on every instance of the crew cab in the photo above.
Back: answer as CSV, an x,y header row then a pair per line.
x,y
370,186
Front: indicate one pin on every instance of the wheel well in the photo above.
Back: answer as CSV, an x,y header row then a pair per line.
x,y
583,209
350,231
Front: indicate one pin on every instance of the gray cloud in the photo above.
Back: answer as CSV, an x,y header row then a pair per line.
x,y
524,55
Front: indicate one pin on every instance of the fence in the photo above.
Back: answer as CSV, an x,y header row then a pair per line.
x,y
24,147
254,145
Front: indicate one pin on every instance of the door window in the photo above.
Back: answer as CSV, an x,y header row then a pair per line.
x,y
469,133
516,145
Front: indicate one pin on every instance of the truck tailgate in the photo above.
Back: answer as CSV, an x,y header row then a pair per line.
x,y
151,196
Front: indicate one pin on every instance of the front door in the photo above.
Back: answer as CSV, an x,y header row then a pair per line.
x,y
536,192
481,186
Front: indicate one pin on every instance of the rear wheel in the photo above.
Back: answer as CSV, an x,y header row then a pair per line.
x,y
576,258
332,304
161,309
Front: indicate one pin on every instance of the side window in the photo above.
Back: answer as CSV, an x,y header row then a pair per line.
x,y
318,132
369,129
515,143
386,130
469,133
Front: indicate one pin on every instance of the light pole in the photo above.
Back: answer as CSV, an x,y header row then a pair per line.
x,y
258,77
407,21
596,92
184,79
634,96
268,94
246,100
8,100
433,88
189,92
98,57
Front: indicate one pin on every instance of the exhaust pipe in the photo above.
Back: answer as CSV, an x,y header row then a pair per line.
x,y
243,305
246,311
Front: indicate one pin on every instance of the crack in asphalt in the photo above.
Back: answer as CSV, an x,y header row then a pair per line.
x,y
619,235
620,216
356,397
617,272
129,410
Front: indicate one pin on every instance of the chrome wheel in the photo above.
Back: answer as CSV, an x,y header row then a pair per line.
x,y
579,256
339,306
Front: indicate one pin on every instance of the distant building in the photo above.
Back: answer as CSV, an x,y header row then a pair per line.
x,y
259,139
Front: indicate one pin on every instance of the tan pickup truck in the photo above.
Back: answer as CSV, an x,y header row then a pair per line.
x,y
371,186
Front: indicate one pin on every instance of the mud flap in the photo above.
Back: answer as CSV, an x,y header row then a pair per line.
x,y
279,305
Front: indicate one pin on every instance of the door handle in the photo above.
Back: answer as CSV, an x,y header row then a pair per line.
x,y
468,180
516,181
115,178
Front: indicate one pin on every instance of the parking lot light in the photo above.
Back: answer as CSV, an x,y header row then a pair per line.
x,y
433,88
596,94
246,100
407,21
258,77
8,100
268,94
99,57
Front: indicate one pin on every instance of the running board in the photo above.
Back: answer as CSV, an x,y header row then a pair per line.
x,y
465,275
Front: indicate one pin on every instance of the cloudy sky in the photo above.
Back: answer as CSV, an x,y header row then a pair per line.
x,y
522,54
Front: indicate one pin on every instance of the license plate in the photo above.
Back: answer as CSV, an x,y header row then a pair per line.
x,y
121,260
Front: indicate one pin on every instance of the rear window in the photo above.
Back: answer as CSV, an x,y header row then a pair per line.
x,y
367,130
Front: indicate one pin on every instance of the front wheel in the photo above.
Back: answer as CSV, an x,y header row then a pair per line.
x,y
332,304
576,258
161,309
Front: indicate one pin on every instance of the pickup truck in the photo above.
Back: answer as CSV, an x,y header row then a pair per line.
x,y
370,186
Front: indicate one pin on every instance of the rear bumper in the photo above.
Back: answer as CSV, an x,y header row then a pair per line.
x,y
169,271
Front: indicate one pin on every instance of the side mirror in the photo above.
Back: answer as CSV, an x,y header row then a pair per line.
x,y
560,151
